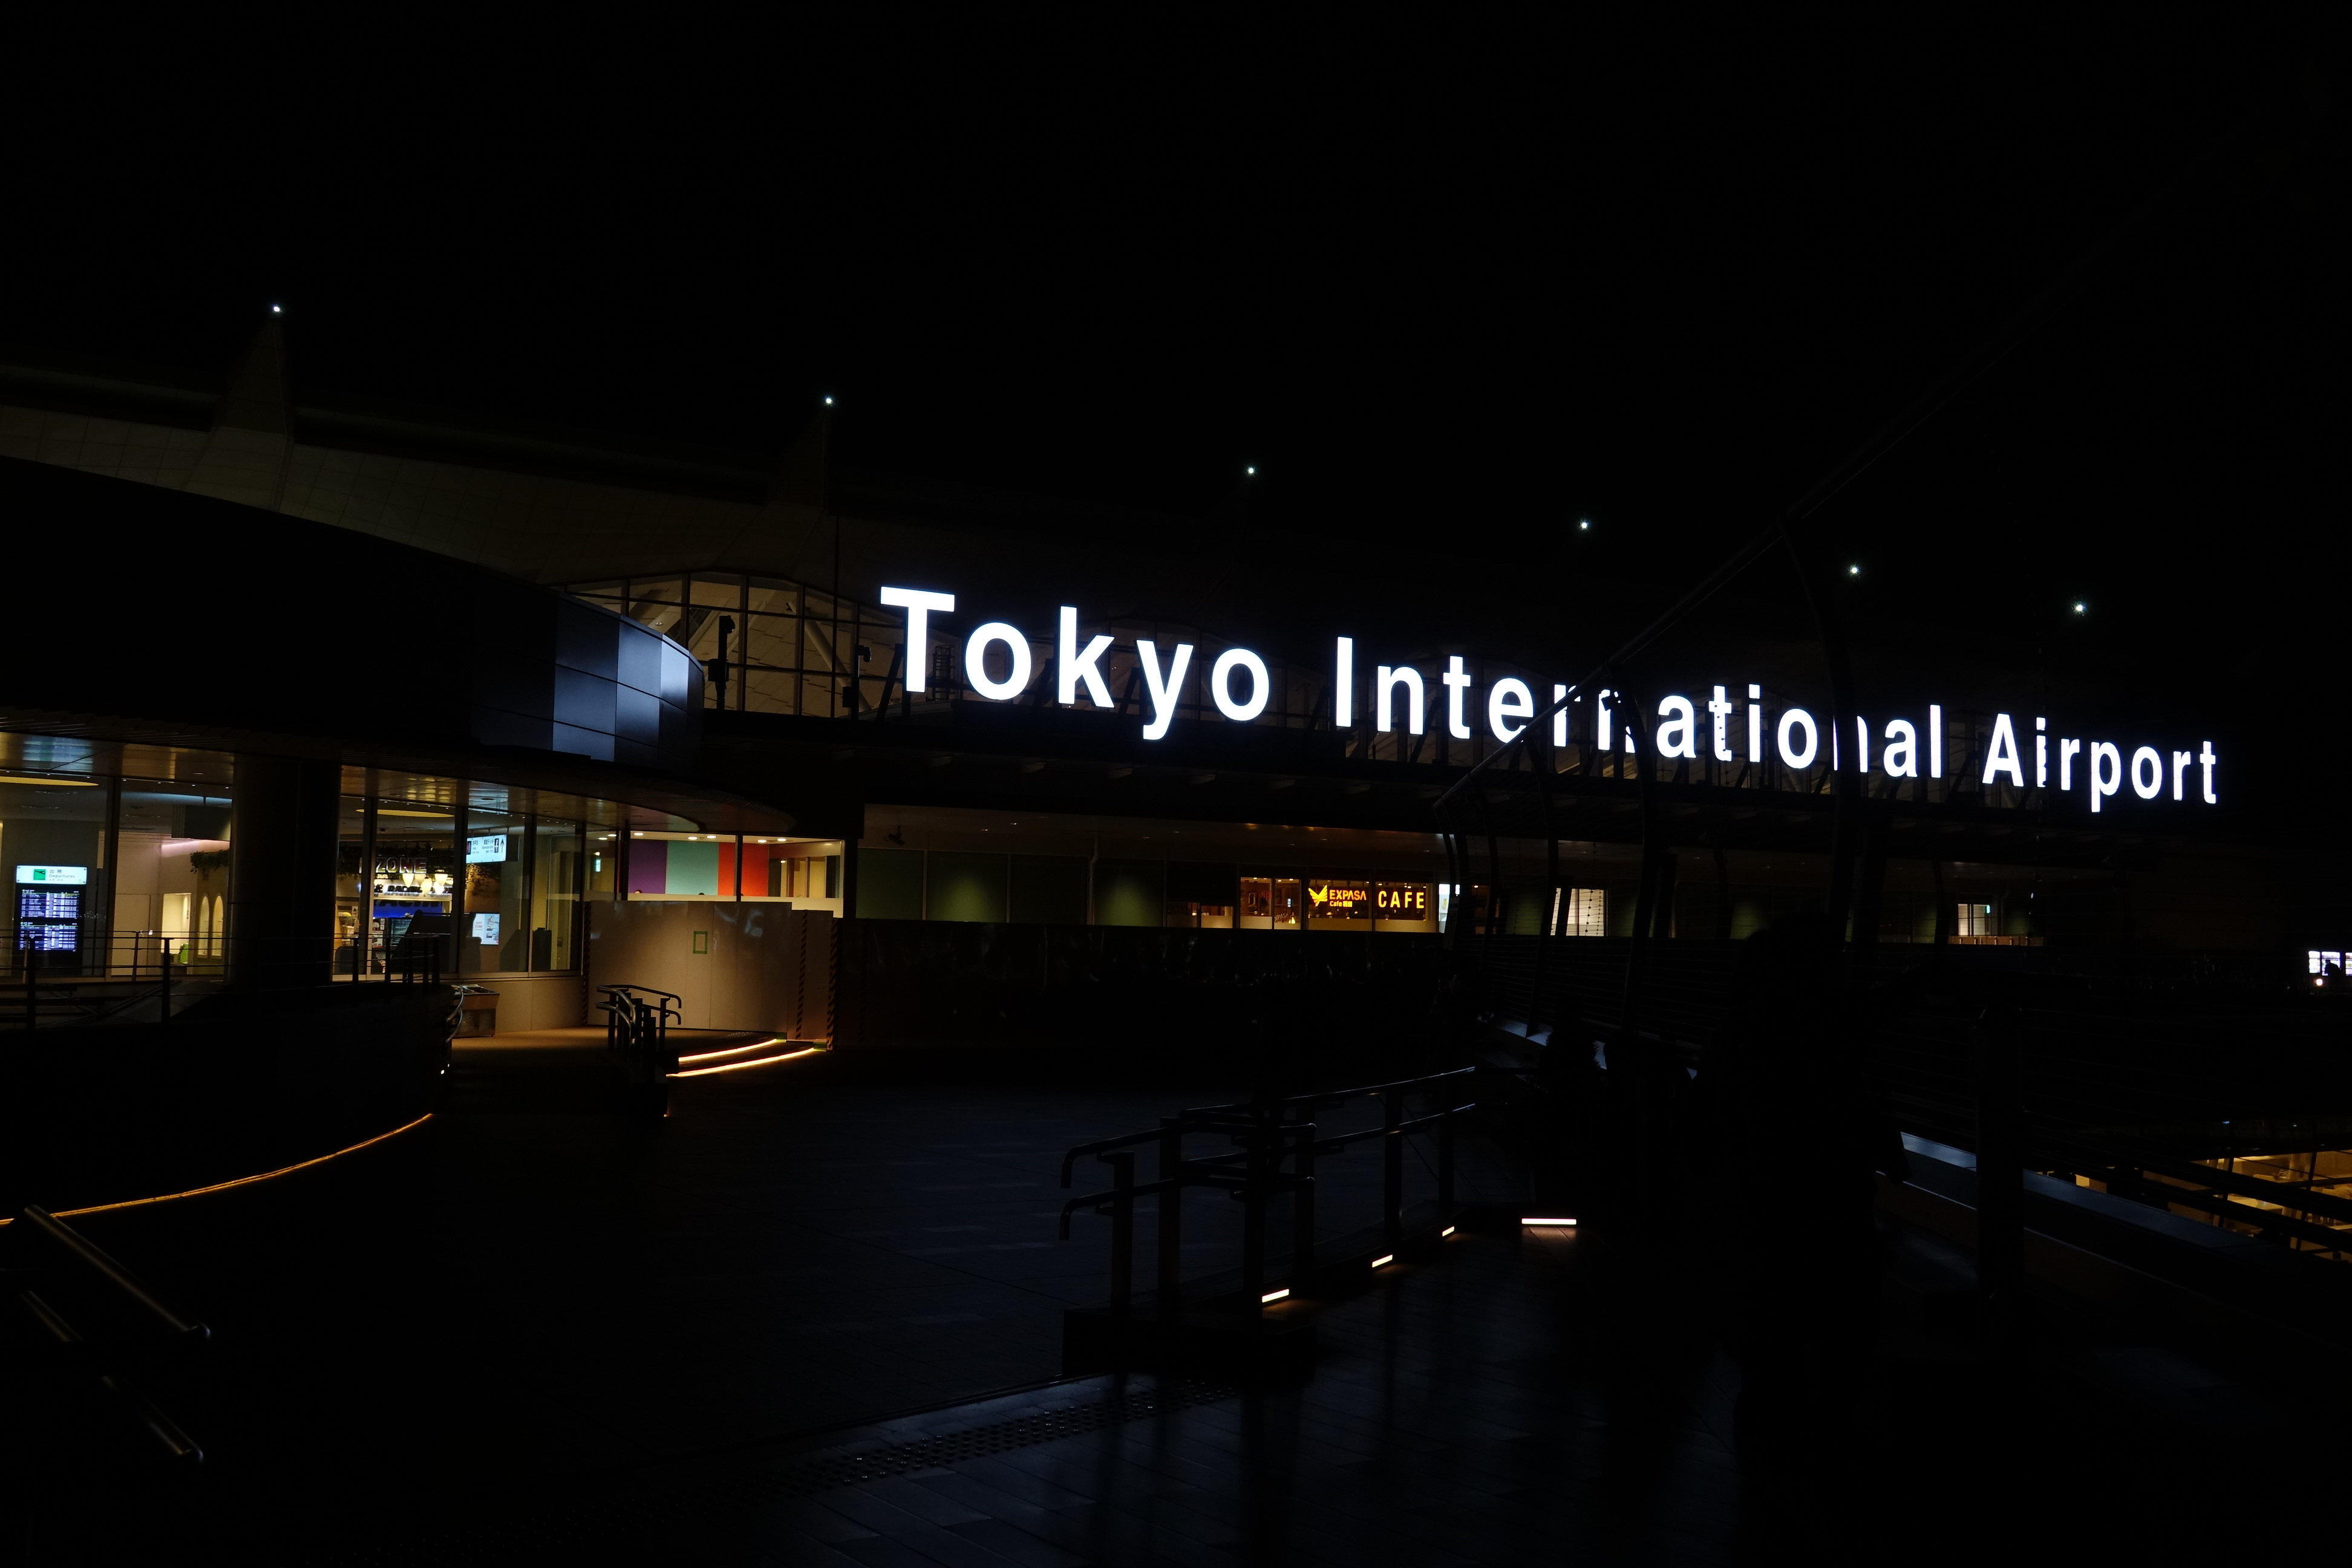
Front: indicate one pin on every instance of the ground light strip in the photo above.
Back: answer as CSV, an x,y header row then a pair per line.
x,y
1568,1223
239,1181
734,1050
738,1067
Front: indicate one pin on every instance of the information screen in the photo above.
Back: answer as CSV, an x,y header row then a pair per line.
x,y
489,849
53,876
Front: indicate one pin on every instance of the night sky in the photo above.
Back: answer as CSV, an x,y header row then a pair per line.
x,y
1458,288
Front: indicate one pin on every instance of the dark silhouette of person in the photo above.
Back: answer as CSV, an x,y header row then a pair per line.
x,y
1801,1143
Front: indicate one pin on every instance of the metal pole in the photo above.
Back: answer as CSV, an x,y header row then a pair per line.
x,y
1445,1159
1122,1230
1302,1206
2000,1178
1393,1174
1172,1210
1253,1210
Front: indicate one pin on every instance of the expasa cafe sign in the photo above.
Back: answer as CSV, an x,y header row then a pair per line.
x,y
1240,685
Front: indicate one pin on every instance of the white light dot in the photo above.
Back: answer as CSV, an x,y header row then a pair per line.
x,y
1853,570
2078,607
277,309
1582,526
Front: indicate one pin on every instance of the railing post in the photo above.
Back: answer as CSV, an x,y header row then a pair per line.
x,y
1172,1210
163,984
2000,1175
1122,1230
1254,1208
1392,1175
1302,1206
1445,1159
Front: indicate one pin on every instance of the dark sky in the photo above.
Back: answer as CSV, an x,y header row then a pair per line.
x,y
1459,286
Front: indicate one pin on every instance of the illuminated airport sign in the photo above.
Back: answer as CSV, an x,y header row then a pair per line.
x,y
53,876
2020,750
489,850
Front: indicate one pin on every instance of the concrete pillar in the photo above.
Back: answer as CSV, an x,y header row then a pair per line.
x,y
282,889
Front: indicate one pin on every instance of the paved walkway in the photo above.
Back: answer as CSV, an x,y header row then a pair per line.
x,y
524,1336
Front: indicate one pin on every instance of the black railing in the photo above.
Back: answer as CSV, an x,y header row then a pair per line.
x,y
128,977
1280,1148
636,1031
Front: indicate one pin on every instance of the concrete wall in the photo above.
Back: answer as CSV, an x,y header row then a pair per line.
x,y
758,967
543,1001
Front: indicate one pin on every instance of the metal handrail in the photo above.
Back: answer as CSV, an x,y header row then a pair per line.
x,y
1273,1133
91,1256
78,1347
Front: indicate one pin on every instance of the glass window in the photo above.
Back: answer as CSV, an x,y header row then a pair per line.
x,y
554,892
53,842
171,861
494,932
413,887
681,866
604,852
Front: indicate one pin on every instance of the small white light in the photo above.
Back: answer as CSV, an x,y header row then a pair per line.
x,y
1447,1232
277,309
828,400
1250,471
2078,606
1569,1222
1384,1260
1273,1295
1582,526
1853,570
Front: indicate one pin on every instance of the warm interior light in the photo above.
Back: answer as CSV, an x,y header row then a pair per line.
x,y
738,1067
1384,1260
388,811
1569,1222
1447,1232
37,779
1274,1295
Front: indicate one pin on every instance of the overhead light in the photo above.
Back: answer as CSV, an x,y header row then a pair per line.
x,y
1273,1295
1561,1222
436,815
1853,570
35,779
1447,1232
1384,1260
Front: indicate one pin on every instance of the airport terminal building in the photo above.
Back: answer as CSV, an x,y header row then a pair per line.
x,y
553,707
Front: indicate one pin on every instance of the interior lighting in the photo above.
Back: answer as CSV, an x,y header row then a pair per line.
x,y
738,1067
1447,1232
436,815
36,779
1584,527
277,309
2081,608
1250,471
1853,570
1384,1260
238,1182
1273,1295
1569,1223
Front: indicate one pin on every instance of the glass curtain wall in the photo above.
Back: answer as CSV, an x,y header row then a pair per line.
x,y
53,837
412,884
170,893
494,934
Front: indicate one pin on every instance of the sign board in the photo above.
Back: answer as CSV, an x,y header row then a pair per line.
x,y
53,876
489,850
486,930
1779,742
1402,900
1334,900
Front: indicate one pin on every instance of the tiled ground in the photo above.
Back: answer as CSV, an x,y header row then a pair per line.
x,y
525,1337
